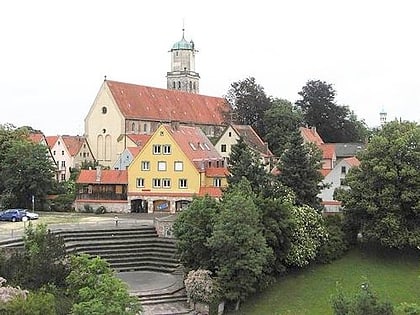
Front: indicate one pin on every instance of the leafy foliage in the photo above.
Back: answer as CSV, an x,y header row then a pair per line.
x,y
35,303
25,169
201,287
336,244
241,254
281,120
192,228
249,102
96,290
334,123
299,169
364,302
308,234
383,202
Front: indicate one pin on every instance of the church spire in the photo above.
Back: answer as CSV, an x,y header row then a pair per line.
x,y
182,75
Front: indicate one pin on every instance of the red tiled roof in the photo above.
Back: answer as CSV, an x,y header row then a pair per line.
x,y
139,139
217,172
193,142
352,161
36,137
325,172
136,101
252,139
328,150
311,135
73,144
51,140
211,191
134,151
106,177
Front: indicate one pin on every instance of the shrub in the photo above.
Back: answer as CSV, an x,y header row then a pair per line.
x,y
335,246
100,210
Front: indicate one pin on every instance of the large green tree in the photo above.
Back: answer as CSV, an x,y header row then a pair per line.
x,y
281,120
241,254
383,201
249,102
299,169
333,122
192,228
25,169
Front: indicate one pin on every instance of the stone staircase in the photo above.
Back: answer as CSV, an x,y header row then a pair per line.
x,y
133,249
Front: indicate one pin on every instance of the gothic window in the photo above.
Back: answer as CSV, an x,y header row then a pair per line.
x,y
179,84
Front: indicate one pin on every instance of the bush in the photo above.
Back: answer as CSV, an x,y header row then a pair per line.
x,y
364,302
100,210
87,208
336,245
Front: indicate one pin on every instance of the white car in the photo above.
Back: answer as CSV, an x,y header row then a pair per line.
x,y
31,215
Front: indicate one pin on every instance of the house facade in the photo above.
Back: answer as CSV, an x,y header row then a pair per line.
x,y
69,152
177,163
335,178
230,137
102,188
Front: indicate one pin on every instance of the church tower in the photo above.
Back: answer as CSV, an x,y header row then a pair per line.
x,y
182,75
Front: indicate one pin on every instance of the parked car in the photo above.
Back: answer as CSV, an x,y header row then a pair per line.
x,y
31,215
12,215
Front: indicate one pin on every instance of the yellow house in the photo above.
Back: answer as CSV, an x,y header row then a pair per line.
x,y
176,163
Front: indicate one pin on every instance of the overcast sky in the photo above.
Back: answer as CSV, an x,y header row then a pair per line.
x,y
54,54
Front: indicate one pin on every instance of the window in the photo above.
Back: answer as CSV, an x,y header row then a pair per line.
x,y
179,84
63,163
144,128
84,154
166,183
156,149
104,110
133,127
63,177
145,165
62,152
223,148
207,146
343,170
217,182
178,166
230,134
54,152
173,85
166,149
140,182
161,166
156,182
342,182
192,146
183,183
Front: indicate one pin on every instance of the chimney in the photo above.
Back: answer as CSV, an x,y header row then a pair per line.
x,y
98,173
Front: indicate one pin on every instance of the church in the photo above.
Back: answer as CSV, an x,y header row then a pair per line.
x,y
123,109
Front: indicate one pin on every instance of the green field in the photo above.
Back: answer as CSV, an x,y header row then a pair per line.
x,y
392,275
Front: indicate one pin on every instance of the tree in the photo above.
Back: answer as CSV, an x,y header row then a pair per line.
x,y
96,290
277,227
299,168
308,235
334,123
241,254
364,302
25,169
281,120
192,228
249,102
202,288
245,163
383,201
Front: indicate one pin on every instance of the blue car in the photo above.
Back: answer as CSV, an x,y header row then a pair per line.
x,y
12,215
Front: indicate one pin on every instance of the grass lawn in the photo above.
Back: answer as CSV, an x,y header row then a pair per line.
x,y
392,275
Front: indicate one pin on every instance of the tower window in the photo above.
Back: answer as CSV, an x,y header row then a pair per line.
x,y
179,84
173,85
190,85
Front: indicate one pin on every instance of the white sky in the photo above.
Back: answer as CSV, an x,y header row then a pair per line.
x,y
54,54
